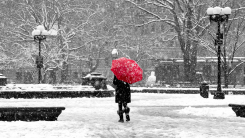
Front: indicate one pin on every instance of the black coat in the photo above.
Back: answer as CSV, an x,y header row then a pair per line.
x,y
123,93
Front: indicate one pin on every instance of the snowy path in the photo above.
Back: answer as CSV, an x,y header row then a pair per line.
x,y
152,115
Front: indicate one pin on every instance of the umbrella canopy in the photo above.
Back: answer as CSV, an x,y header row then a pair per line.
x,y
127,70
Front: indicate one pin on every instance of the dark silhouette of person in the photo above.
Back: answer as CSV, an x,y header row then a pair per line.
x,y
122,97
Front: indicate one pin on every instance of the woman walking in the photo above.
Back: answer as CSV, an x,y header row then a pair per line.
x,y
122,97
123,94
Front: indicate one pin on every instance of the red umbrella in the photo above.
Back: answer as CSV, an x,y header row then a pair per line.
x,y
127,70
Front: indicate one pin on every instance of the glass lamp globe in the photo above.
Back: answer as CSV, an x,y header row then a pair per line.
x,y
35,32
217,10
227,10
114,52
40,27
222,11
210,11
45,32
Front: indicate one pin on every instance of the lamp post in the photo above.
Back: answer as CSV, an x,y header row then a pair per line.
x,y
219,15
39,35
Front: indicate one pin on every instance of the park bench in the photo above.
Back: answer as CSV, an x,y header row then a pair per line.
x,y
30,113
239,109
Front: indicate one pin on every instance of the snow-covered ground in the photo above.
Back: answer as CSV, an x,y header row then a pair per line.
x,y
152,116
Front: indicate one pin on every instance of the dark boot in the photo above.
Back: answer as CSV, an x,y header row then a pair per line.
x,y
120,113
127,110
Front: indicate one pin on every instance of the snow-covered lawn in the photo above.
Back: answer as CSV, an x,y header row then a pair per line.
x,y
152,116
49,87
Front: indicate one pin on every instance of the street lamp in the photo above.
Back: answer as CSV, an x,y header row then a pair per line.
x,y
114,54
39,34
219,15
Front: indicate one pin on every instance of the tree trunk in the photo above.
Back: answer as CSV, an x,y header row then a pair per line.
x,y
64,70
190,49
189,67
226,73
64,73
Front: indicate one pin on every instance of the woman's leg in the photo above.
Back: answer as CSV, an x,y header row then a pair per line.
x,y
120,112
120,106
124,105
126,110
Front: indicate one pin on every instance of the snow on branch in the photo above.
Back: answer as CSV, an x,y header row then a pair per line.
x,y
152,21
237,9
166,1
234,68
160,4
158,18
147,11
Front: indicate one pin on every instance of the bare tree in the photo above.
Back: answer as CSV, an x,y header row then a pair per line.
x,y
187,18
78,23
